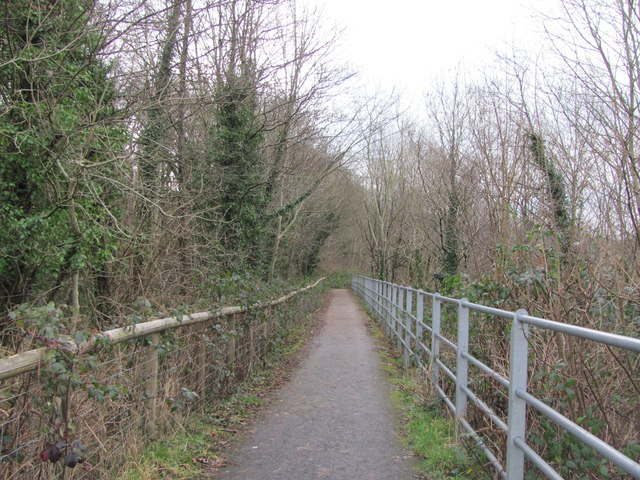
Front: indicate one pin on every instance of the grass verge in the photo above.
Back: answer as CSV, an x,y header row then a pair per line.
x,y
428,432
196,448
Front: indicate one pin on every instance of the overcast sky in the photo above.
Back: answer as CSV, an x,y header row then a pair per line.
x,y
406,43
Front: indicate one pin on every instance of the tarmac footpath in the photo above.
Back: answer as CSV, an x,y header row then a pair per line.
x,y
333,419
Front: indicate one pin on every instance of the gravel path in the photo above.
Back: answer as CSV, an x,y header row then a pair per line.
x,y
333,420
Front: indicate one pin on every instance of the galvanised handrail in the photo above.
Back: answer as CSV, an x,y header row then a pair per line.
x,y
392,305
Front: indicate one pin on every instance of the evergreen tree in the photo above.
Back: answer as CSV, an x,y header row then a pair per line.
x,y
235,150
450,249
57,137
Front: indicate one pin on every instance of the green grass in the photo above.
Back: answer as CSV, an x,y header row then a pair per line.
x,y
181,457
252,400
429,432
339,280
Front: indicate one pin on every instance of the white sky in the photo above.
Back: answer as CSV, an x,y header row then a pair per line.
x,y
406,43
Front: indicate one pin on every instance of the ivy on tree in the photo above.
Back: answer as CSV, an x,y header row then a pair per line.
x,y
57,135
236,143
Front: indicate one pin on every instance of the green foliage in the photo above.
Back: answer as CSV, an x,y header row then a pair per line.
x,y
56,132
154,147
451,247
240,287
235,145
339,280
417,270
571,457
182,456
181,402
62,372
308,257
252,400
557,190
432,436
453,284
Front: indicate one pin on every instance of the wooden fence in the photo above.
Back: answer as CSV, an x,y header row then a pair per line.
x,y
99,401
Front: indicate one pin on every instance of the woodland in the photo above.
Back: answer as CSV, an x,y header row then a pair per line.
x,y
185,152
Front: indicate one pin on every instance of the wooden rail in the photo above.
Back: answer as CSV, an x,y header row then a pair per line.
x,y
20,363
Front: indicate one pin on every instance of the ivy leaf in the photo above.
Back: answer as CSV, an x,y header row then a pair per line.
x,y
71,460
188,394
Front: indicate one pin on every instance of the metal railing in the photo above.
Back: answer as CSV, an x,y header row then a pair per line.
x,y
164,368
400,309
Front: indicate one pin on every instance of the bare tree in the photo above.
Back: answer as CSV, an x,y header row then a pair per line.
x,y
599,43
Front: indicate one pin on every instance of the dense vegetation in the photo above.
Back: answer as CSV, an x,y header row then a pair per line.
x,y
180,152
151,148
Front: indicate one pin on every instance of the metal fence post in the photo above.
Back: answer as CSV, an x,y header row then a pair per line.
x,y
407,329
435,341
372,291
383,302
462,364
394,308
517,407
365,293
378,290
400,314
389,308
374,297
387,320
419,322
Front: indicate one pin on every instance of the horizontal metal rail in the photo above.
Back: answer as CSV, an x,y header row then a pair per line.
x,y
446,370
600,446
537,460
447,342
423,347
486,409
487,451
401,311
446,399
425,326
489,371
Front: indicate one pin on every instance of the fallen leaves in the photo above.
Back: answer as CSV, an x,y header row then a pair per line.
x,y
211,463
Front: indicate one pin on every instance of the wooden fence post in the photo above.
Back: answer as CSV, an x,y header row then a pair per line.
x,y
151,389
202,364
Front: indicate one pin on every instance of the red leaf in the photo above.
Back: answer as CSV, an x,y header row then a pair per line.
x,y
44,454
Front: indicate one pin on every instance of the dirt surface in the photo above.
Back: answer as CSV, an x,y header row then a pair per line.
x,y
334,419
